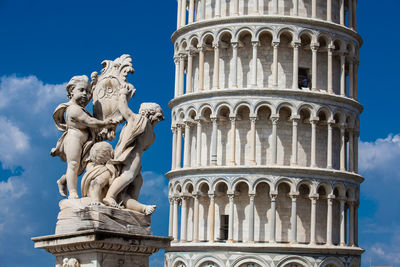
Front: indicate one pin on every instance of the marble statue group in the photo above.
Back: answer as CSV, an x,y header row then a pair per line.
x,y
111,176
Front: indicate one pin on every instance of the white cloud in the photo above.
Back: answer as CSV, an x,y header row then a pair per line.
x,y
28,93
154,187
382,155
13,143
379,164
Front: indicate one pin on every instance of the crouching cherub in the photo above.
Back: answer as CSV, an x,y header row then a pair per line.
x,y
100,173
79,128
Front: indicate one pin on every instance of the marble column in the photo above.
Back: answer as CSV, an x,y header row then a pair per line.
x,y
272,221
214,141
295,84
343,74
314,49
342,147
178,147
183,13
356,140
295,121
314,9
293,219
329,150
181,74
189,74
231,217
184,214
218,8
275,7
329,224
356,80
175,228
233,141
342,222
236,8
211,218
201,68
314,142
174,141
274,120
196,218
187,146
255,7
342,13
351,150
177,72
253,137
171,216
330,69
275,64
251,218
356,223
235,64
351,77
178,23
254,66
351,223
216,66
329,10
198,145
355,15
313,219
191,11
350,11
295,7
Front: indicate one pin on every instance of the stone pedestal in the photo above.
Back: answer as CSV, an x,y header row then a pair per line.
x,y
98,248
99,236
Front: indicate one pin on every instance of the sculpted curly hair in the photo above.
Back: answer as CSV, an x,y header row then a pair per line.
x,y
75,81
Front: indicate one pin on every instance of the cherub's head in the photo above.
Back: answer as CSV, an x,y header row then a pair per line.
x,y
101,153
78,90
152,111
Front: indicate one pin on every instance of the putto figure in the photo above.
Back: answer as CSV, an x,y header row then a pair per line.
x,y
79,135
112,178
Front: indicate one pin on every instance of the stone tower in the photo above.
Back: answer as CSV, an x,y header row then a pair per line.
x,y
265,123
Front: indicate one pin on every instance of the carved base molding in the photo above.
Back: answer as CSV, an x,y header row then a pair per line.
x,y
101,248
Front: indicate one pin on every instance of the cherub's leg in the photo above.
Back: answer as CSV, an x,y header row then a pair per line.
x,y
62,185
137,186
73,160
135,205
129,173
96,187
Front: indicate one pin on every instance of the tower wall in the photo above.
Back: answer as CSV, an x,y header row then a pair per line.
x,y
265,123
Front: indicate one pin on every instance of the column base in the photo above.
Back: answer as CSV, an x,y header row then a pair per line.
x,y
95,248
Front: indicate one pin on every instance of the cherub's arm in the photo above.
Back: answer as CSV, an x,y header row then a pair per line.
x,y
123,106
79,116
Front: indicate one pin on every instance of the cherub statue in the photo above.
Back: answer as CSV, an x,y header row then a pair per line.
x,y
100,173
136,136
79,135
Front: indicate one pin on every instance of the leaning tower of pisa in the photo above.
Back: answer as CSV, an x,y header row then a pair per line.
x,y
265,123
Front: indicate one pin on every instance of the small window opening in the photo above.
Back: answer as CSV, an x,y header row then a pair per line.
x,y
304,78
223,231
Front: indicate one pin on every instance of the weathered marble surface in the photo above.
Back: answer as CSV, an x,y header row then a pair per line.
x,y
78,215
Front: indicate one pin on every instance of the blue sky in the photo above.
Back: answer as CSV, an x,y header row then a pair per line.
x,y
44,43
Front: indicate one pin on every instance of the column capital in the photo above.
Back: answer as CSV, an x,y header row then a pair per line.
x,y
179,125
231,196
331,197
213,119
196,195
253,118
232,119
275,43
200,47
295,118
273,196
314,197
342,126
211,196
342,200
176,58
215,45
294,196
314,120
351,202
275,119
331,122
331,47
314,47
182,56
235,44
252,196
296,44
255,43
